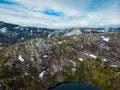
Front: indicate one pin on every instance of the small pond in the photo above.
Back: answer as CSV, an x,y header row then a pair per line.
x,y
74,86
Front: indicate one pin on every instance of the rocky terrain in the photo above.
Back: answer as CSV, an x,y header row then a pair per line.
x,y
41,63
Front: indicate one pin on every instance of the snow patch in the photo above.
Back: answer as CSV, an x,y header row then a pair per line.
x,y
21,28
74,37
114,66
49,35
93,56
31,31
20,58
86,53
80,59
16,27
60,42
105,38
3,30
41,74
102,37
74,64
26,73
22,38
104,60
45,56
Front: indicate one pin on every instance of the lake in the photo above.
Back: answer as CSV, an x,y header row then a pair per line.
x,y
74,86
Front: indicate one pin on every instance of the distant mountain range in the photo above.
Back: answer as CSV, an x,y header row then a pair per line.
x,y
12,33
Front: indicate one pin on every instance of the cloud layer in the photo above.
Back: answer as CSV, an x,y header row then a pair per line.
x,y
61,13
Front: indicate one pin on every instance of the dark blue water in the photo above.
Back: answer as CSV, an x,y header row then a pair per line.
x,y
75,86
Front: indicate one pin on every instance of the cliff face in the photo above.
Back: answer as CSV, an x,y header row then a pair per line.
x,y
41,63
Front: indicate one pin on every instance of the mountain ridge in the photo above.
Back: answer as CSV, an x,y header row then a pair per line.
x,y
41,63
12,33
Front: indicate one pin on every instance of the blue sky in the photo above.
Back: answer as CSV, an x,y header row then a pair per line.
x,y
52,12
61,13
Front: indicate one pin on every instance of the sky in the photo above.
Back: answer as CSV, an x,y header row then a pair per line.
x,y
61,13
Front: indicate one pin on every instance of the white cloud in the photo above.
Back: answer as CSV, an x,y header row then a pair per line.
x,y
75,13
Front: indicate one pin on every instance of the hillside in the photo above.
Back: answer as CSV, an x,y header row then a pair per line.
x,y
41,63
